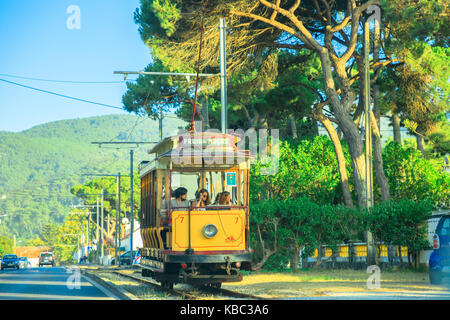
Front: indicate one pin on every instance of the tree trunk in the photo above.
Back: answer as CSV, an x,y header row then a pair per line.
x,y
340,158
420,143
295,256
341,109
400,256
378,160
396,128
267,253
293,126
351,134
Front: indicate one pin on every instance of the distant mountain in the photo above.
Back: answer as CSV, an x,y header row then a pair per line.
x,y
39,166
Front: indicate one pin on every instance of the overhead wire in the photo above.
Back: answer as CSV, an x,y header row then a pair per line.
x,y
61,95
198,66
64,81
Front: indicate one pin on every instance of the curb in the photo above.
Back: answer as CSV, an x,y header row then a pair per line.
x,y
119,292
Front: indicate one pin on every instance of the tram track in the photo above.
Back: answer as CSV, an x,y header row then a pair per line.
x,y
188,295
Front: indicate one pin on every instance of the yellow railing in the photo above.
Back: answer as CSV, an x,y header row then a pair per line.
x,y
360,250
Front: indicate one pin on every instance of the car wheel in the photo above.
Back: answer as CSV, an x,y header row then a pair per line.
x,y
435,277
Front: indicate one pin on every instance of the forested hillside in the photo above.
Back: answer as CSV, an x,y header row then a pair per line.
x,y
38,166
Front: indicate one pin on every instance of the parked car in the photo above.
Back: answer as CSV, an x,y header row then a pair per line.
x,y
24,263
439,263
124,258
46,258
10,261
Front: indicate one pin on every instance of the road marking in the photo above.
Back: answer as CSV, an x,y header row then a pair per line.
x,y
45,283
111,296
39,296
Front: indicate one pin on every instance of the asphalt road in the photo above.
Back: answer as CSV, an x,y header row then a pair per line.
x,y
47,283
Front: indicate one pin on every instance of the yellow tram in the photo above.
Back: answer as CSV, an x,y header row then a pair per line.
x,y
187,236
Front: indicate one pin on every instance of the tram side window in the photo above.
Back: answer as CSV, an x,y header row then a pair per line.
x,y
216,184
188,180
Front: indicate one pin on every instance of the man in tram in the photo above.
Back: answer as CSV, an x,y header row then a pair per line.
x,y
180,200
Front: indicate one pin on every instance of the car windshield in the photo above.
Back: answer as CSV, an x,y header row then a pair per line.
x,y
445,227
10,256
46,255
22,258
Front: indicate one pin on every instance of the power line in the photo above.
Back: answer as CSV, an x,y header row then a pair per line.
x,y
63,81
61,95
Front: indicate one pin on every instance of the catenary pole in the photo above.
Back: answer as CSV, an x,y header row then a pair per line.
x,y
101,230
131,204
97,234
223,75
118,233
371,260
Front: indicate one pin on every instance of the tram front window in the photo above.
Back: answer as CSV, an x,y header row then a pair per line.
x,y
215,182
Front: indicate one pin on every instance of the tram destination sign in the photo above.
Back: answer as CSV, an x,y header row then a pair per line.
x,y
206,141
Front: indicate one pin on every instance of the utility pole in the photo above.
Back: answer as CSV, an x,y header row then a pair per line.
x,y
118,220
131,209
96,234
101,231
223,75
371,250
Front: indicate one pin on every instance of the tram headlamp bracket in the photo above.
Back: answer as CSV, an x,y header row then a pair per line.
x,y
210,231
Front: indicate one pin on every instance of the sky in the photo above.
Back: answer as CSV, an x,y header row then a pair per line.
x,y
42,39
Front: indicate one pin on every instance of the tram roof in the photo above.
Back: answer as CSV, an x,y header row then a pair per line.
x,y
198,142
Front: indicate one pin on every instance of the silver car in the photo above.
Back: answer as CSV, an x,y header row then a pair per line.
x,y
24,263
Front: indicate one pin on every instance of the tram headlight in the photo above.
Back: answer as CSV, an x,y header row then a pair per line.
x,y
210,231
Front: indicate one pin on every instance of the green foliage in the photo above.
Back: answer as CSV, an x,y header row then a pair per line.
x,y
417,88
401,223
68,236
306,168
413,177
294,224
287,226
49,234
39,166
6,245
109,187
167,14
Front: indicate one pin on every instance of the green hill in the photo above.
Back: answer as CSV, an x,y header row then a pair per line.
x,y
39,166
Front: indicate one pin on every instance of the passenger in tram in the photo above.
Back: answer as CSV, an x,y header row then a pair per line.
x,y
217,199
225,199
180,199
203,199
